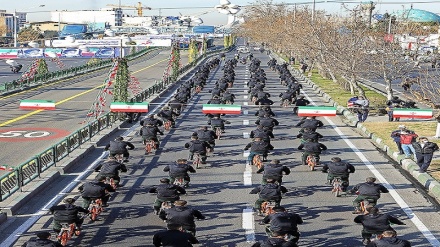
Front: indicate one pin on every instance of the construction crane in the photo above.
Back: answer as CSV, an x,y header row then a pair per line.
x,y
139,7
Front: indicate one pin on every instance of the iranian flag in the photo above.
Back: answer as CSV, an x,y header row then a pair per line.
x,y
37,104
128,107
412,113
319,111
221,109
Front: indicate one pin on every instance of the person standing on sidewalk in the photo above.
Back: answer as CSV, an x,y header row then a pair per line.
x,y
406,140
362,108
424,150
396,136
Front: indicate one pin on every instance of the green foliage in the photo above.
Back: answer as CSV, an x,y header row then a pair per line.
x,y
120,92
28,34
42,67
193,51
175,63
93,60
226,41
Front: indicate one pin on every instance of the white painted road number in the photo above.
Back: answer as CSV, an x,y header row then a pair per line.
x,y
23,133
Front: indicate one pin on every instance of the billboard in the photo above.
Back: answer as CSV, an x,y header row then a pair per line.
x,y
69,52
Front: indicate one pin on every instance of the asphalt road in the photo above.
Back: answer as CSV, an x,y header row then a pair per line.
x,y
221,189
74,98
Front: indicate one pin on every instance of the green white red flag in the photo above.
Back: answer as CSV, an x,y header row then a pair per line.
x,y
318,111
37,104
128,107
221,109
412,113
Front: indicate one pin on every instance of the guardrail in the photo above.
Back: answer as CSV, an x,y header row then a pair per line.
x,y
31,169
65,73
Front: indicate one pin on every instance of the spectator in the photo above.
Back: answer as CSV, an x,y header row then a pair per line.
x,y
424,150
350,102
362,108
406,140
395,102
396,136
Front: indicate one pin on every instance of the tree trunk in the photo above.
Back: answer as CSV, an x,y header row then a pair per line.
x,y
388,89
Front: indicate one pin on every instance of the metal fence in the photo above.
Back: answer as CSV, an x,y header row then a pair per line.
x,y
31,169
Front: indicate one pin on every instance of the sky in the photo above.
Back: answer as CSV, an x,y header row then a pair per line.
x,y
189,7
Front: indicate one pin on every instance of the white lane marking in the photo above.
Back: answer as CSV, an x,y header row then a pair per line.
x,y
245,103
244,91
245,86
245,122
43,210
245,112
246,135
247,175
248,224
399,200
245,97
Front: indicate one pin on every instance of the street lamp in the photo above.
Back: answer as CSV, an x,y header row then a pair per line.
x,y
15,23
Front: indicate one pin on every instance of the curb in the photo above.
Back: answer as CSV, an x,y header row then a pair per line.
x,y
409,165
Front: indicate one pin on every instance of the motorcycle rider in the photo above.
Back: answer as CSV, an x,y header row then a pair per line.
x,y
283,222
110,169
368,190
310,122
258,146
311,147
119,146
166,192
97,189
268,192
274,171
206,135
149,132
197,146
183,215
337,168
67,213
180,170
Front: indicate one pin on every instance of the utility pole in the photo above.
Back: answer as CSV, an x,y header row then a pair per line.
x,y
313,11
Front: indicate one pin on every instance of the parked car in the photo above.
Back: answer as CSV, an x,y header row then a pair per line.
x,y
242,49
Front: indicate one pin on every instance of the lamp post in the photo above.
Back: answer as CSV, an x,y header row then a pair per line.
x,y
15,23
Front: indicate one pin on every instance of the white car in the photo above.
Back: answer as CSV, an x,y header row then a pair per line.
x,y
242,49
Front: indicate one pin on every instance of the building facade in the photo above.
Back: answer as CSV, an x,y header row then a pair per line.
x,y
112,16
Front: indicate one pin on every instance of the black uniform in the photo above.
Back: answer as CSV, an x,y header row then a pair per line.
x,y
179,171
111,169
198,146
274,171
264,134
309,135
174,238
267,122
166,192
264,101
368,190
311,148
168,115
339,169
376,223
274,242
217,122
310,123
182,215
284,223
268,192
119,147
208,136
150,133
151,121
389,242
94,190
67,213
